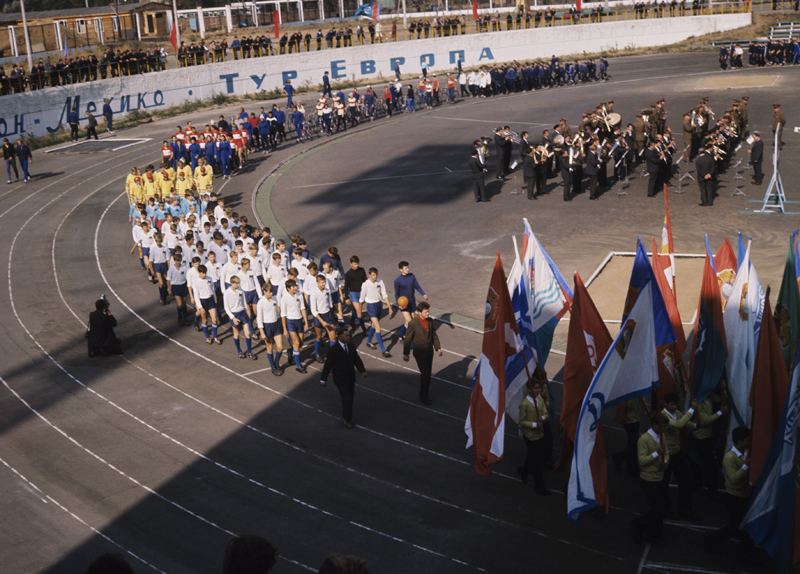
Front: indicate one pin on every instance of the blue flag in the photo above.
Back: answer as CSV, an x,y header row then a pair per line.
x,y
770,516
642,272
371,11
740,251
710,354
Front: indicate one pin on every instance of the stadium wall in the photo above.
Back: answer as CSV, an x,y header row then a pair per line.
x,y
44,111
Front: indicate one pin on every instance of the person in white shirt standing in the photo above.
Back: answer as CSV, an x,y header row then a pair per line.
x,y
373,293
251,289
274,274
295,321
268,320
159,254
143,239
204,292
320,305
334,279
176,286
239,315
230,269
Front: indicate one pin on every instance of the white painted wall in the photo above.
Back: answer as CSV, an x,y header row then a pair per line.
x,y
44,111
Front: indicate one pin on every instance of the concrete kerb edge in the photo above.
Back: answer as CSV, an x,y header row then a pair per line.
x,y
261,196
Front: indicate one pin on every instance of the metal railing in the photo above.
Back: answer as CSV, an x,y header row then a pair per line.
x,y
72,73
784,30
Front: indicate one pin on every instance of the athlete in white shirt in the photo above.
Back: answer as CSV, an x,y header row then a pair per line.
x,y
250,288
144,240
219,248
373,293
191,276
268,320
239,314
230,269
334,279
176,286
203,290
159,255
301,264
320,307
295,321
274,273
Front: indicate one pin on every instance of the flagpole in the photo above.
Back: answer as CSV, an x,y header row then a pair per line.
x,y
405,15
177,28
27,36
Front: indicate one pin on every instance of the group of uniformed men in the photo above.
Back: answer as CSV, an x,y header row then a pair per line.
x,y
600,140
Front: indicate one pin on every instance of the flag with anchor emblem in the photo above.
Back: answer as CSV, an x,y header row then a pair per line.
x,y
628,370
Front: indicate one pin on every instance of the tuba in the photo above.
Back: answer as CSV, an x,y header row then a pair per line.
x,y
483,148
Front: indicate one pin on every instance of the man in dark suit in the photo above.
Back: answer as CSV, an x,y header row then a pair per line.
x,y
592,170
653,161
706,174
504,147
524,146
342,359
478,167
529,172
425,340
757,158
566,173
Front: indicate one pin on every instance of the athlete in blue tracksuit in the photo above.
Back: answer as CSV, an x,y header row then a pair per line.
x,y
194,153
297,120
225,156
263,132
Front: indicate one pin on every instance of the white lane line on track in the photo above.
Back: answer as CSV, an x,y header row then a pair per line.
x,y
346,468
47,498
644,558
152,428
71,177
14,309
372,431
239,375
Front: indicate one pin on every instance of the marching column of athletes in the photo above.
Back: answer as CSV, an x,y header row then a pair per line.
x,y
600,140
203,254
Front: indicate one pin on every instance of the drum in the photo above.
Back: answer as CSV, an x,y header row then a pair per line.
x,y
614,119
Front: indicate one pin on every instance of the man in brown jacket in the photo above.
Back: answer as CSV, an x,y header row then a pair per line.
x,y
425,340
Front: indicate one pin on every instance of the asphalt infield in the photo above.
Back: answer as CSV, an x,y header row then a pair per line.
x,y
163,453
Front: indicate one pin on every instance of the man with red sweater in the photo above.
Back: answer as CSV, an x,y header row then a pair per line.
x,y
423,337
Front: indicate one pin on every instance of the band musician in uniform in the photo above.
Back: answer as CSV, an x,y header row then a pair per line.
x,y
478,167
529,173
502,140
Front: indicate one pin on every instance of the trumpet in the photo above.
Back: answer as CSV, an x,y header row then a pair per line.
x,y
514,137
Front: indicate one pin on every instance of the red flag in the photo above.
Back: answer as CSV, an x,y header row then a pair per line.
x,y
588,342
173,35
275,19
670,362
475,9
486,421
667,246
725,262
578,5
768,393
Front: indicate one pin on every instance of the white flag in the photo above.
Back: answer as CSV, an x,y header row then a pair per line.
x,y
741,317
628,370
